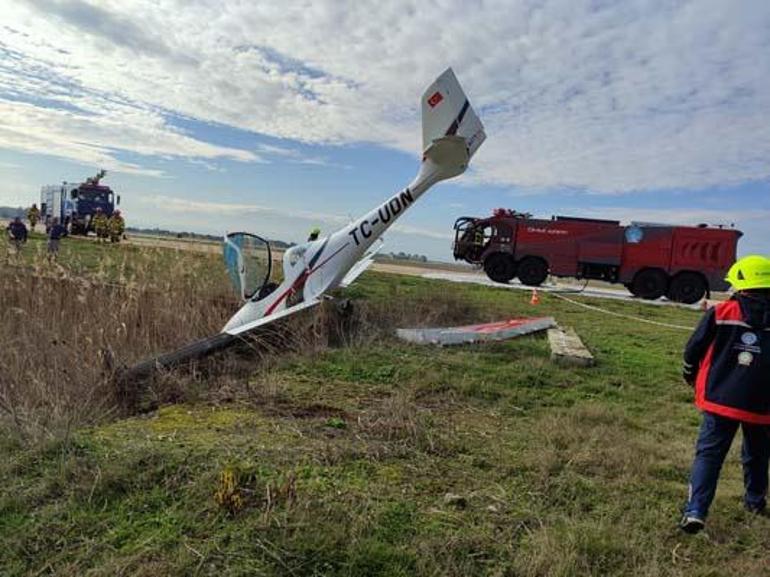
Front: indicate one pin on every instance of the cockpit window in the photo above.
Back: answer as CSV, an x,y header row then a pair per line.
x,y
91,194
248,261
503,232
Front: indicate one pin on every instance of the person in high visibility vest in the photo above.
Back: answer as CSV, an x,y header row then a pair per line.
x,y
117,226
727,361
101,225
33,216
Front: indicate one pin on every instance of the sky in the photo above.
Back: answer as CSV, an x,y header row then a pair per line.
x,y
275,117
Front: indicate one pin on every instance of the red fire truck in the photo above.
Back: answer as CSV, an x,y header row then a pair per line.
x,y
684,263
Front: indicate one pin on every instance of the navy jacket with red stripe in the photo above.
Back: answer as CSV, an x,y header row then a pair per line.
x,y
728,359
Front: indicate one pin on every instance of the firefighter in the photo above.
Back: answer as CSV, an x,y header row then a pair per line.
x,y
17,234
727,361
101,225
117,226
33,216
478,236
314,234
475,237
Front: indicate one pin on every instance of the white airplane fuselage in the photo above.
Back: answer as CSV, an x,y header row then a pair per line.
x,y
314,268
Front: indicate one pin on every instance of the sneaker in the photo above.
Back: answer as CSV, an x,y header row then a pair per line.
x,y
691,524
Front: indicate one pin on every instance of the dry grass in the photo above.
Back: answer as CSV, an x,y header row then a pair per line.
x,y
344,445
63,335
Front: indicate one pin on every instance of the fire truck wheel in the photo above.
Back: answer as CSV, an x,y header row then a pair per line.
x,y
533,271
500,267
649,284
687,287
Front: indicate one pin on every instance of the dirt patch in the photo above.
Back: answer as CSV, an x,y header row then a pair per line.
x,y
318,411
291,409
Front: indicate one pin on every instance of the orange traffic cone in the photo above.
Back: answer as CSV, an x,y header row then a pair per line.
x,y
535,300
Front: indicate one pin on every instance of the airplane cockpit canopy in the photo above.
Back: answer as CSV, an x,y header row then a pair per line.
x,y
248,260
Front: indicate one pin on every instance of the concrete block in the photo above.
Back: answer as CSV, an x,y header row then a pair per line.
x,y
568,349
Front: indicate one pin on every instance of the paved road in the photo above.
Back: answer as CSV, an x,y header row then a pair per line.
x,y
561,287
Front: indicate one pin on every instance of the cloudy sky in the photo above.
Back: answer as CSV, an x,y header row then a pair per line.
x,y
277,116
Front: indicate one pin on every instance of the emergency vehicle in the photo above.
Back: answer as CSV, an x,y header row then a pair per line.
x,y
683,263
75,204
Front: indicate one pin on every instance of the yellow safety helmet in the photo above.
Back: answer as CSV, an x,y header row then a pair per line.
x,y
750,272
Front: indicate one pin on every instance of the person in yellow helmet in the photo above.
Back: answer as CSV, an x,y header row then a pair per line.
x,y
727,361
33,216
101,225
116,226
314,234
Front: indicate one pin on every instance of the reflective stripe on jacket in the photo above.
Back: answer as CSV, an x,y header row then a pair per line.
x,y
731,348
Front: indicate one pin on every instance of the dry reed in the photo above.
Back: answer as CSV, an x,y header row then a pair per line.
x,y
63,336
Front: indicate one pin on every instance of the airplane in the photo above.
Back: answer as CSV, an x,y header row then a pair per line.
x,y
451,135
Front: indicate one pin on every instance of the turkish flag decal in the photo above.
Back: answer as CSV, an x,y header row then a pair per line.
x,y
434,100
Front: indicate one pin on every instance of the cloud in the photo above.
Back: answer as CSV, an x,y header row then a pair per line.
x,y
686,216
179,205
294,155
602,96
47,110
111,27
93,131
420,231
14,189
94,138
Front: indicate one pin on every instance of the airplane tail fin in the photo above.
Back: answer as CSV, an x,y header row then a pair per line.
x,y
446,112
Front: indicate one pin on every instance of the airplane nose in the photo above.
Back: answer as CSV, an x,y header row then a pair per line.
x,y
249,312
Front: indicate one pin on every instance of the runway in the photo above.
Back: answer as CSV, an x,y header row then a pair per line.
x,y
551,285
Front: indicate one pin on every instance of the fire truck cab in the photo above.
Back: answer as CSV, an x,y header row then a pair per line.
x,y
683,263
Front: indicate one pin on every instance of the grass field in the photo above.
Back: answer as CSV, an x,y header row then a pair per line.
x,y
366,457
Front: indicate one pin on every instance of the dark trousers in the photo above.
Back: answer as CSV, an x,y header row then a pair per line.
x,y
716,436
